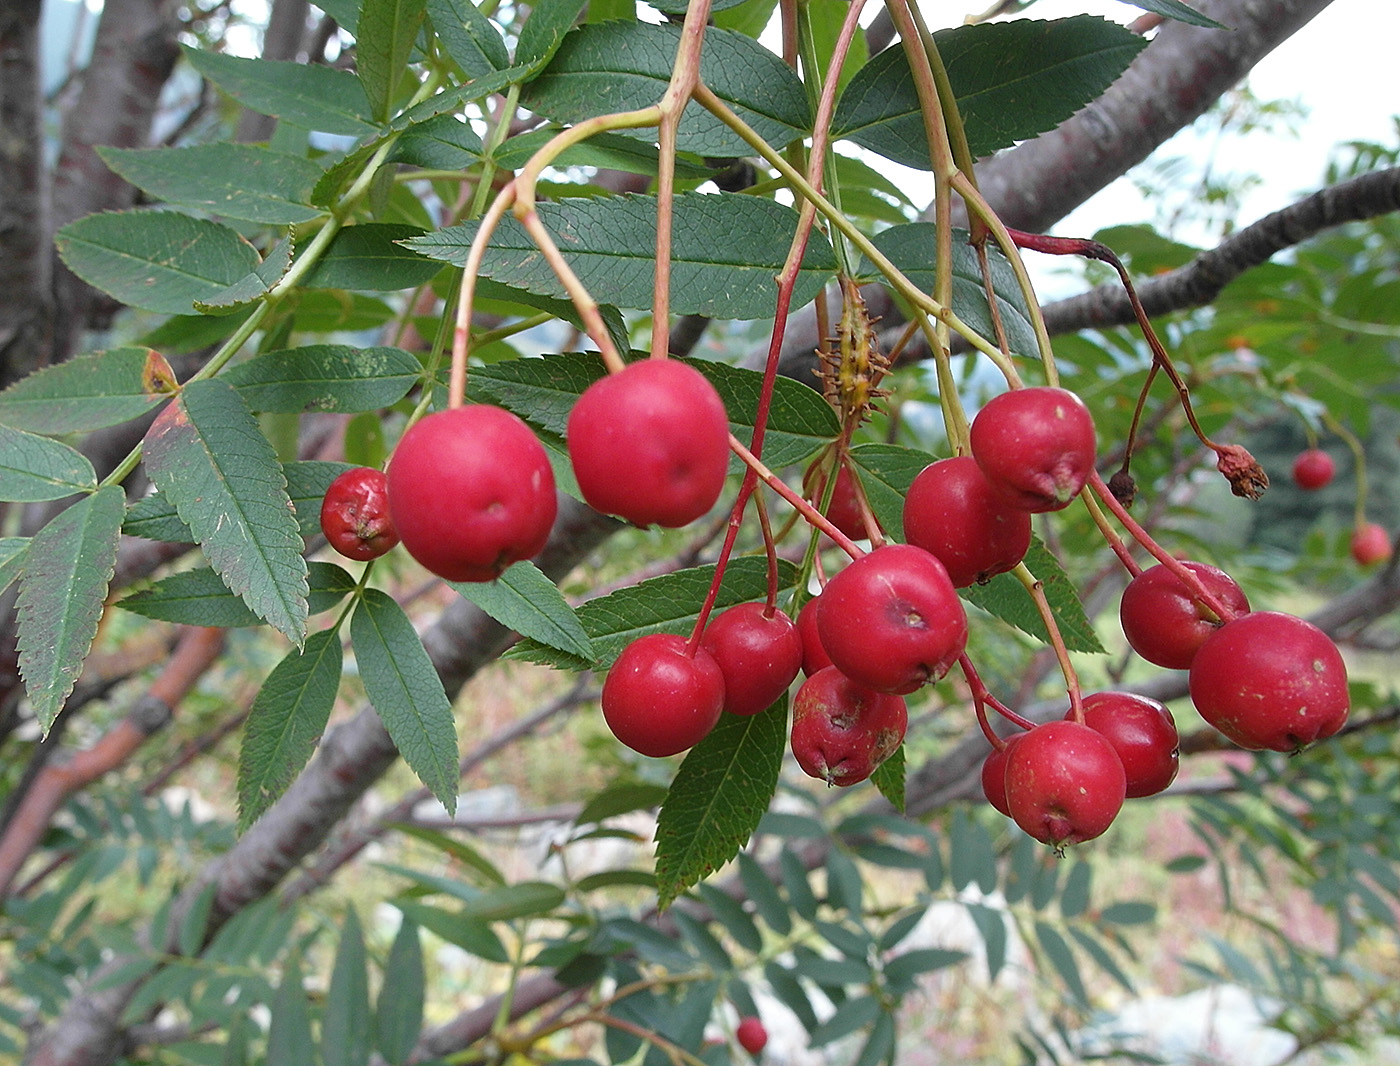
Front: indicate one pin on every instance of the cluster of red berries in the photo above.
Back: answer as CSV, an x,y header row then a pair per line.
x,y
1314,469
470,491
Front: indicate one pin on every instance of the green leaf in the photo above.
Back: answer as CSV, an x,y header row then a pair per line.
x,y
383,45
727,251
763,893
346,1026
468,36
913,248
905,967
398,1013
67,568
156,260
1175,9
12,552
524,600
288,717
459,851
1133,912
373,256
620,798
856,1013
886,471
200,598
720,792
730,913
242,181
889,779
1007,599
666,604
626,65
405,689
87,392
1011,81
443,142
1074,896
525,899
326,377
1062,959
1099,953
33,468
206,454
472,935
310,95
544,31
605,150
154,516
289,1028
991,924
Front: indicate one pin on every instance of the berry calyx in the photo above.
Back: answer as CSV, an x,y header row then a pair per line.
x,y
759,653
952,511
1370,544
891,620
1036,446
355,514
751,1034
660,700
1164,622
471,492
1064,783
841,730
1313,469
814,656
650,443
1272,681
1142,732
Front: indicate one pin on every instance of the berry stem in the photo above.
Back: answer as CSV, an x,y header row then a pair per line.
x,y
1109,534
1358,455
1036,588
778,485
981,696
1199,591
461,334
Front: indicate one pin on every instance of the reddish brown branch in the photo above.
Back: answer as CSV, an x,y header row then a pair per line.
x,y
63,776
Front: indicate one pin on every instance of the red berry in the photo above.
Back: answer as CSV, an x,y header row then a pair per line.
x,y
1313,469
994,775
650,444
1142,732
659,700
814,656
1270,680
751,1035
1064,783
1370,544
471,492
844,509
759,654
355,514
892,620
1036,446
1164,623
953,512
841,730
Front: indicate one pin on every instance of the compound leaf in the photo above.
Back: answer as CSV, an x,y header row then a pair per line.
x,y
207,455
524,600
34,468
468,36
1011,80
373,256
727,251
665,604
625,65
88,392
288,716
405,689
243,181
310,95
717,798
326,377
67,568
200,598
1007,599
156,260
383,46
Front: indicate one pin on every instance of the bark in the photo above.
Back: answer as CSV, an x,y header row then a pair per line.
x,y
25,306
1173,81
134,55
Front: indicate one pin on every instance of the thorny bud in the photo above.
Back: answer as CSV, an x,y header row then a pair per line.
x,y
851,374
1123,487
1242,470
